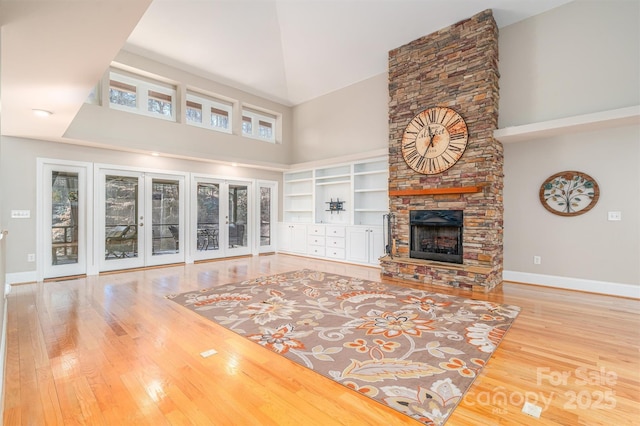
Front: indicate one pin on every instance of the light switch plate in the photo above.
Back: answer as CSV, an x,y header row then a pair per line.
x,y
20,214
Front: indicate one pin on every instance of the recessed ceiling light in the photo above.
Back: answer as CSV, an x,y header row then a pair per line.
x,y
155,154
234,164
41,112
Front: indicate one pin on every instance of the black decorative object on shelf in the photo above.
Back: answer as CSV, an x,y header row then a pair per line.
x,y
336,206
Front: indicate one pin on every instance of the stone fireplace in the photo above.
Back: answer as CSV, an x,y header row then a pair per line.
x,y
456,67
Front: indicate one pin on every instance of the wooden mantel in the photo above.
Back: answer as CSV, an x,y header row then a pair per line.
x,y
435,191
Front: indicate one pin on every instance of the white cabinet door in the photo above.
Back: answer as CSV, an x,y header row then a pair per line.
x,y
376,245
357,244
364,244
293,238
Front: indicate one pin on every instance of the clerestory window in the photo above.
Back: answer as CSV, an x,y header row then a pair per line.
x,y
259,125
141,96
208,112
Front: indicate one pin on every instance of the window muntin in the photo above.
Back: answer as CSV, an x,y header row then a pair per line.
x,y
141,96
210,113
258,125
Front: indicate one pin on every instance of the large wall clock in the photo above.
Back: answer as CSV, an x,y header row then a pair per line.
x,y
569,193
434,140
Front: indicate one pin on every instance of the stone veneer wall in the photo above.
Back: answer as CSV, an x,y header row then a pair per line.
x,y
456,67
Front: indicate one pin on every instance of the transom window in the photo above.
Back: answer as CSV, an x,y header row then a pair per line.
x,y
208,112
259,125
141,96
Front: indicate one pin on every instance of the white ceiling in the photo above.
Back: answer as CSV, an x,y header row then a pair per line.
x,y
290,51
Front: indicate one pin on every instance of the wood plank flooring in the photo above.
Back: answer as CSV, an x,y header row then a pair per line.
x,y
111,350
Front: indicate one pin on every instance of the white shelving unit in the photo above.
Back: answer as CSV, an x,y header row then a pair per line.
x,y
298,197
353,234
333,184
371,192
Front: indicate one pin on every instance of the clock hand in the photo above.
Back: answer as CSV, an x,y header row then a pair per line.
x,y
430,137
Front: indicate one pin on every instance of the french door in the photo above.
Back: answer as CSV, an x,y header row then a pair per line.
x,y
140,219
267,198
221,218
64,211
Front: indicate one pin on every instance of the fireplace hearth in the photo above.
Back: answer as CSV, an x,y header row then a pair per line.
x,y
436,235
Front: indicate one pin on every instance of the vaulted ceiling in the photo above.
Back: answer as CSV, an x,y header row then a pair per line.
x,y
291,51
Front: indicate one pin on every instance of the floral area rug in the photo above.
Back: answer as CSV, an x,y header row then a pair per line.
x,y
415,351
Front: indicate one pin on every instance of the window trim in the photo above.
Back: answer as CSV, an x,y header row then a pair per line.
x,y
256,117
208,104
143,88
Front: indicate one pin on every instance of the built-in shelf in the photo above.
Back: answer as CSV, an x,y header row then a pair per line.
x,y
362,184
371,190
562,126
337,182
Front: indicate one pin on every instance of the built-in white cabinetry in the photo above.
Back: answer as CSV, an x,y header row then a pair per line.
x,y
365,244
331,200
298,197
370,192
292,238
335,242
316,240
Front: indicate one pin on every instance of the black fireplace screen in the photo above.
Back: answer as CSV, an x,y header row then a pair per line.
x,y
436,235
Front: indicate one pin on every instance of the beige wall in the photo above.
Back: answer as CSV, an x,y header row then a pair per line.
x,y
580,58
587,246
350,121
18,175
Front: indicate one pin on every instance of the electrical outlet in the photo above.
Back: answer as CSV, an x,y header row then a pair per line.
x,y
532,409
537,260
31,257
207,354
614,216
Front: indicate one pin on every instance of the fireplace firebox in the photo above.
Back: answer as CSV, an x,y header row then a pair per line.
x,y
436,235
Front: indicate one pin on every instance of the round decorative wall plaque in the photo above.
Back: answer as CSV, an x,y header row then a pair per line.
x,y
569,193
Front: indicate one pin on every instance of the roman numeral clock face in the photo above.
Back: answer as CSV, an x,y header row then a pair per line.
x,y
434,140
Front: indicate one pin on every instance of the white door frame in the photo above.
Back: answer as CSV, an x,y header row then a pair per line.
x,y
44,267
144,241
273,185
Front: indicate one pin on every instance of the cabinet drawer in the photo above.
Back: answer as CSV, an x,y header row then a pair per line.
x,y
335,242
335,231
316,251
315,230
335,253
315,241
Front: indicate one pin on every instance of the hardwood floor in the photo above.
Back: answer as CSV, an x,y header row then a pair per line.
x,y
111,350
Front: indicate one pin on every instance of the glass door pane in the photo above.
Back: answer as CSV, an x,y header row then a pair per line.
x,y
64,218
164,204
265,216
165,217
267,201
238,214
121,215
208,217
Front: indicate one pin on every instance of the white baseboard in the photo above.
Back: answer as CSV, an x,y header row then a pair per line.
x,y
21,277
590,286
